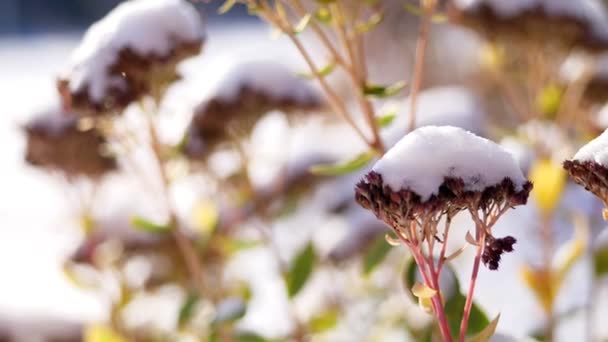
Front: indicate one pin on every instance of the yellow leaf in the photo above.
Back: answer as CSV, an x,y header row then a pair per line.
x,y
205,216
425,304
549,180
492,57
568,254
541,283
422,291
486,334
391,240
101,333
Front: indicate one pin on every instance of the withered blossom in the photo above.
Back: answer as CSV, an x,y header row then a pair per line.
x,y
55,141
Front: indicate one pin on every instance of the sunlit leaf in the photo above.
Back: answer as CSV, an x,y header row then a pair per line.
x,y
375,254
370,24
187,309
344,167
422,291
325,321
486,334
101,333
417,11
226,6
143,224
323,15
549,100
383,91
303,23
205,216
541,283
326,70
232,245
386,119
300,270
549,179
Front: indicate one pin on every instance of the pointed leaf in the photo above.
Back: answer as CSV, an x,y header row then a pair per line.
x,y
300,270
370,24
391,240
383,91
345,167
187,309
422,291
326,70
302,24
226,6
325,321
143,224
470,239
386,119
486,334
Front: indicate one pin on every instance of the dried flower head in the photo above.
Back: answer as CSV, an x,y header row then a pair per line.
x,y
56,142
130,53
589,168
241,98
436,172
567,23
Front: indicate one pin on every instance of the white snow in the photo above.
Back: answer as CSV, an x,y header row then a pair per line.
x,y
439,106
596,150
423,158
146,26
267,77
591,11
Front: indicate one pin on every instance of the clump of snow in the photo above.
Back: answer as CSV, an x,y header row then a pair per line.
x,y
148,27
596,150
423,159
592,12
449,105
266,77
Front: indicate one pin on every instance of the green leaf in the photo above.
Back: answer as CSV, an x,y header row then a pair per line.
x,y
386,119
600,261
417,11
454,308
383,91
326,70
409,274
226,6
324,321
344,167
302,24
370,24
187,309
143,224
486,334
300,270
229,310
375,254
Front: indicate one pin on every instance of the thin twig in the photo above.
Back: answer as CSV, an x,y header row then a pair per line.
x,y
480,238
421,44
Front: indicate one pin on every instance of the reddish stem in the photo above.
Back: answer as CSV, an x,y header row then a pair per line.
x,y
469,302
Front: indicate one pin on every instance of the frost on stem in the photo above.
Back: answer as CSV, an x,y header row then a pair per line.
x,y
130,53
56,141
436,172
244,95
582,23
589,167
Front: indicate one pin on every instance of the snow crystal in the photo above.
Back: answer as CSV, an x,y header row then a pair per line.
x,y
449,105
590,11
266,77
596,150
423,159
145,26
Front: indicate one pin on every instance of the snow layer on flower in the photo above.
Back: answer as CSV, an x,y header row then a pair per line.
x,y
422,159
146,26
596,150
590,11
267,77
452,106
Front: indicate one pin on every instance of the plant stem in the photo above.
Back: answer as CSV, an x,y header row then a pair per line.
x,y
481,237
421,44
188,252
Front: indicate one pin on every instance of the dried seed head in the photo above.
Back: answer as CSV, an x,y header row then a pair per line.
x,y
494,248
591,175
55,141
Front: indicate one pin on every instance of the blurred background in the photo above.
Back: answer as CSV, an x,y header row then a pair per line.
x,y
41,224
